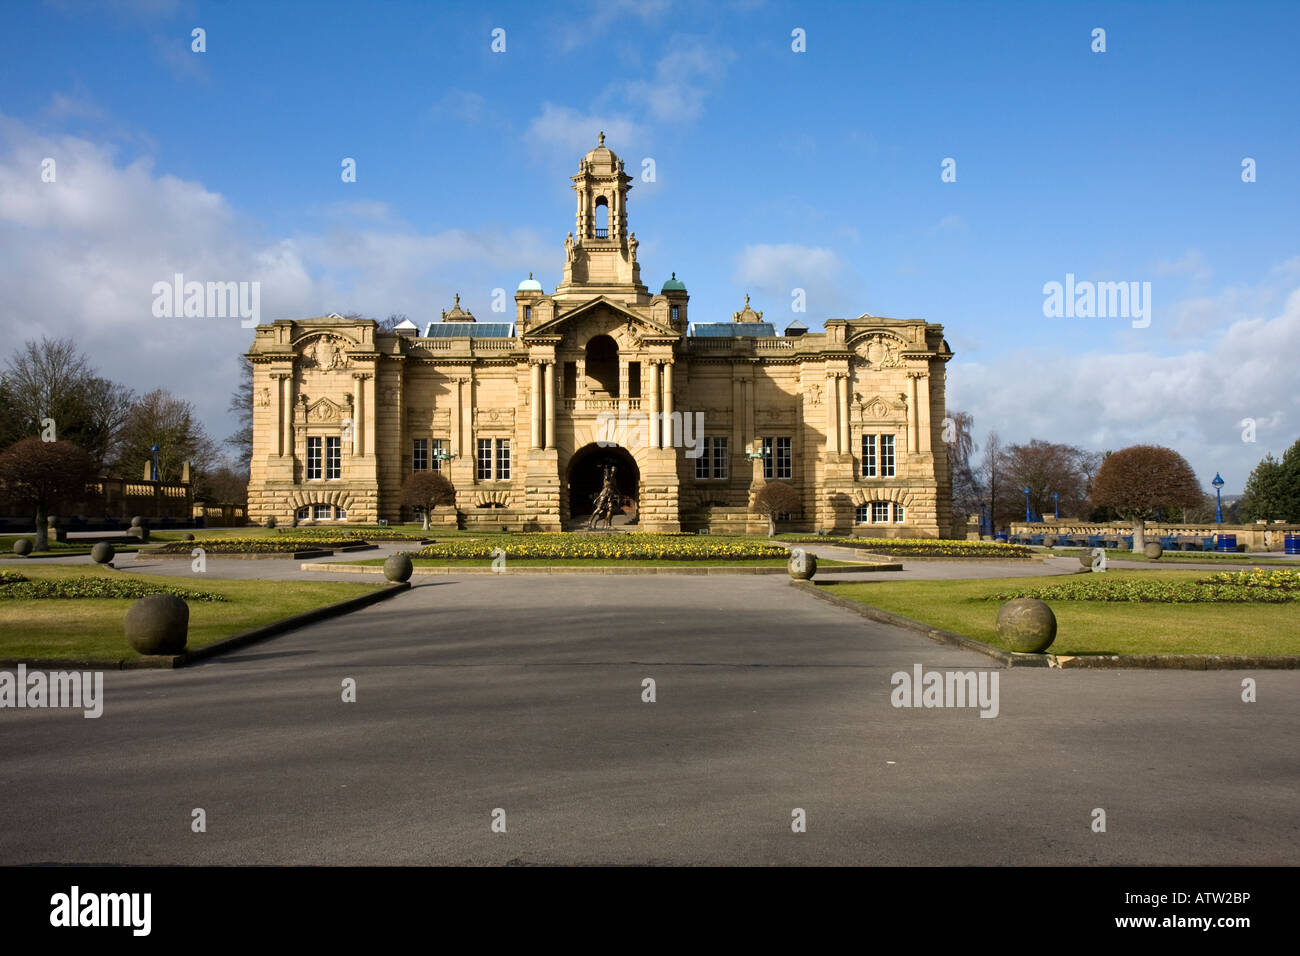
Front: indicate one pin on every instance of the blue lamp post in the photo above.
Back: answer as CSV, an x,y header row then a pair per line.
x,y
1218,498
1029,515
983,519
155,462
1056,504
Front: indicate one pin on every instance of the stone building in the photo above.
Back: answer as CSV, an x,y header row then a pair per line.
x,y
527,416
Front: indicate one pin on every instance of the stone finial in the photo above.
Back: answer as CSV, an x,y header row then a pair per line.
x,y
602,138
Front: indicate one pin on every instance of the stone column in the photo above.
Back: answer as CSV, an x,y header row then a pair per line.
x,y
656,432
669,437
536,397
923,386
359,404
832,422
281,413
549,398
456,448
842,413
370,416
912,414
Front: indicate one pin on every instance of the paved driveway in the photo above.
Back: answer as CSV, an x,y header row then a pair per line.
x,y
524,693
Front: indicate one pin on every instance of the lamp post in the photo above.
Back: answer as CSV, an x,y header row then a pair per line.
x,y
1056,504
155,461
1218,498
983,520
1028,514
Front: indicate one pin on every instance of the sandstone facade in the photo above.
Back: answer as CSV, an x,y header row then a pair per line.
x,y
525,416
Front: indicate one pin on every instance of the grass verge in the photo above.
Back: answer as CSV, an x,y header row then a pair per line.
x,y
91,629
1091,627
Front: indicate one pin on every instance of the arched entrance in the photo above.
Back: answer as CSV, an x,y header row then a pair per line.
x,y
585,477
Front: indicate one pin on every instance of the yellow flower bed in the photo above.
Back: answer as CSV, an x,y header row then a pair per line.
x,y
615,547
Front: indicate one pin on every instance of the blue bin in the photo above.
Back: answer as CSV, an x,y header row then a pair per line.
x,y
1292,543
1227,542
1000,537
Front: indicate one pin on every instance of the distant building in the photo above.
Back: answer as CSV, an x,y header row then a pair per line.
x,y
526,416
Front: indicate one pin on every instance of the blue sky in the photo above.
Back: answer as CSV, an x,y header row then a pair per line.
x,y
774,170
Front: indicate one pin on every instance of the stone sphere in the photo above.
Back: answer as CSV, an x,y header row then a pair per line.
x,y
22,546
1049,541
1153,550
398,567
803,568
270,522
1086,559
187,536
158,624
102,553
1026,625
138,521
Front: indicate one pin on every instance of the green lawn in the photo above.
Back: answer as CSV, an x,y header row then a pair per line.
x,y
92,629
1088,627
1181,557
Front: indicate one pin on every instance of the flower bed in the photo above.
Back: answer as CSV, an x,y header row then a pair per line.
x,y
924,547
257,545
615,547
15,587
1242,587
354,534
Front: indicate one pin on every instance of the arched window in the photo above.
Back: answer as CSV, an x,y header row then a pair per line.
x,y
602,366
602,218
878,512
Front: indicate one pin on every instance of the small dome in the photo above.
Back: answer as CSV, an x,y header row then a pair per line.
x,y
529,285
602,155
674,285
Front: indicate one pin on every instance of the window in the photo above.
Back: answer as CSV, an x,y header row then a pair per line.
x,y
303,513
320,512
880,512
570,379
898,514
333,458
676,313
483,462
886,456
420,455
633,379
313,459
712,462
503,459
868,456
777,458
341,514
436,461
528,312
719,458
861,513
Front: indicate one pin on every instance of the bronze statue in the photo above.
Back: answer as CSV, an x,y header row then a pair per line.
x,y
607,501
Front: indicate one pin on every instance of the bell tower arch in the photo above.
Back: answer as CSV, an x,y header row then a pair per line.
x,y
600,254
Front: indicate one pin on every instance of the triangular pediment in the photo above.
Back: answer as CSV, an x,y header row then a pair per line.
x,y
641,324
324,410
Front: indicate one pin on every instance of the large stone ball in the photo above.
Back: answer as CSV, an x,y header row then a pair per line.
x,y
158,624
398,567
1049,541
803,565
1026,625
1153,550
187,536
1086,559
139,521
23,546
102,553
270,522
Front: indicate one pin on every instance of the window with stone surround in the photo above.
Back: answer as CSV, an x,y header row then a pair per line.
x,y
333,458
503,459
777,459
877,456
435,461
420,454
483,461
313,459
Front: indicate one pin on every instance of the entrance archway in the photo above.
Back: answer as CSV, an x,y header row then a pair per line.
x,y
585,477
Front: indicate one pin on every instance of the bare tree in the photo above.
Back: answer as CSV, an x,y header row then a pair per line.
x,y
1046,468
425,490
1140,480
990,472
43,475
52,379
773,499
160,418
241,403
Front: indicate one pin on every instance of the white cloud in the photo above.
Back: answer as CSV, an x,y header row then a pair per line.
x,y
562,129
775,270
1193,401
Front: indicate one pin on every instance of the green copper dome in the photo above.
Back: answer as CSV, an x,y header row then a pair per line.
x,y
529,285
673,285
